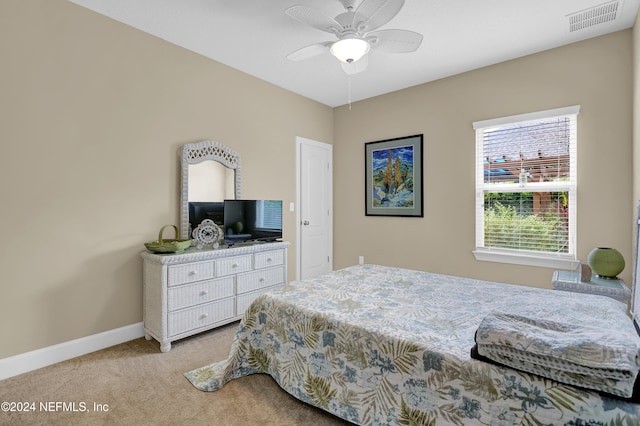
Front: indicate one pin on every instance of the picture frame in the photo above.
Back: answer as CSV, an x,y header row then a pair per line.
x,y
393,177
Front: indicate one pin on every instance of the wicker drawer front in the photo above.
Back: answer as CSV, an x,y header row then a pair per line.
x,y
233,265
259,279
270,258
244,300
200,292
197,271
200,316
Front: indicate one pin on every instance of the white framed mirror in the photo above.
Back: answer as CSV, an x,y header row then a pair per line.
x,y
210,173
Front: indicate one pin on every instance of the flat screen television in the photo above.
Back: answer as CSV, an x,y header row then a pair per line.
x,y
252,220
201,210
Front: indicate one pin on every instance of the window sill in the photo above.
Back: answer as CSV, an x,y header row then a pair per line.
x,y
527,259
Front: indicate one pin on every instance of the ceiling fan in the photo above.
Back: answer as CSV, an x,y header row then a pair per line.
x,y
355,31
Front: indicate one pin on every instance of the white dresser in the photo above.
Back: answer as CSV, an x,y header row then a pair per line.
x,y
187,293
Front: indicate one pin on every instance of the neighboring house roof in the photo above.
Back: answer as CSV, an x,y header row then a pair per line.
x,y
540,150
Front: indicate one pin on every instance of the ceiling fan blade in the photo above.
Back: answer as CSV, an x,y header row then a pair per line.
x,y
394,41
357,66
312,17
309,51
372,14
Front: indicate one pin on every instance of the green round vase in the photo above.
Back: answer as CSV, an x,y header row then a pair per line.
x,y
606,262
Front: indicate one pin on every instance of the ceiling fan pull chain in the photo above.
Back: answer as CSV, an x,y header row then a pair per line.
x,y
349,89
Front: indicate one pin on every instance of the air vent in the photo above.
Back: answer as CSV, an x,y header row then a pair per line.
x,y
596,15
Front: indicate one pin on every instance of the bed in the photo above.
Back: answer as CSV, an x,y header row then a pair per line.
x,y
382,345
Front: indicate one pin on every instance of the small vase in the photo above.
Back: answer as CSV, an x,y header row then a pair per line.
x,y
606,262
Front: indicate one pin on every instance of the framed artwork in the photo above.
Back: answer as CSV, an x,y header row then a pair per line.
x,y
393,177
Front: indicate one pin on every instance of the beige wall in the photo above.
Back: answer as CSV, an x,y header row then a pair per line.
x,y
595,74
93,116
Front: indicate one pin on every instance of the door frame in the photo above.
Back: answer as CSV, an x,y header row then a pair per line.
x,y
305,141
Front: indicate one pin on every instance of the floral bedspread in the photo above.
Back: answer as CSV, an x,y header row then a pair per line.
x,y
388,346
578,354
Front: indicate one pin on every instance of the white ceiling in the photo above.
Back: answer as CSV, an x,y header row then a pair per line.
x,y
254,36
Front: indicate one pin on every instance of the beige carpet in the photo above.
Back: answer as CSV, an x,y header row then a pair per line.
x,y
136,384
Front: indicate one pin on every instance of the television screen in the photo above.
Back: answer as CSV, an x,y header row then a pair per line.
x,y
252,220
201,210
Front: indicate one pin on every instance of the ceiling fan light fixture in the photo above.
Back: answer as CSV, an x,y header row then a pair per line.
x,y
349,50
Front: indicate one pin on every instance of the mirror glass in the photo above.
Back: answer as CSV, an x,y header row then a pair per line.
x,y
211,181
210,174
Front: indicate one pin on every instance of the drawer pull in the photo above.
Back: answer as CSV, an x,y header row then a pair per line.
x,y
269,259
204,293
204,316
235,265
261,279
193,272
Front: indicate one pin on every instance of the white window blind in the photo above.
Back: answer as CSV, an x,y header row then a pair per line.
x,y
526,188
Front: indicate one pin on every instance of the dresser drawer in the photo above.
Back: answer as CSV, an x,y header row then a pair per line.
x,y
233,265
200,316
259,279
244,300
188,295
188,273
269,258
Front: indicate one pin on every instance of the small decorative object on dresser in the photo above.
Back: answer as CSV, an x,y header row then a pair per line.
x,y
571,281
606,262
185,294
207,235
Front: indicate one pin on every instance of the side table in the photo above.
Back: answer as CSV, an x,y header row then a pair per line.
x,y
610,287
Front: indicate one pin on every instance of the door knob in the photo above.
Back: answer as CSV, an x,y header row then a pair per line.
x,y
305,223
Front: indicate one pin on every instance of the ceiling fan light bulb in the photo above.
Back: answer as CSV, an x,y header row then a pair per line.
x,y
349,50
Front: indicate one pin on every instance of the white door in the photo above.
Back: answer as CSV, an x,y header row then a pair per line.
x,y
315,209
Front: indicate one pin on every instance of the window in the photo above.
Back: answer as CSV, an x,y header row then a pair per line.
x,y
526,188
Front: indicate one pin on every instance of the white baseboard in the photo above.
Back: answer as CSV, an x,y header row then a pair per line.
x,y
39,358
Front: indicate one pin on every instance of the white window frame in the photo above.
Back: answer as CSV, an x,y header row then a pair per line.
x,y
520,257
